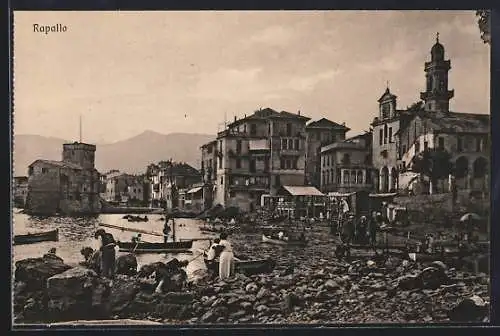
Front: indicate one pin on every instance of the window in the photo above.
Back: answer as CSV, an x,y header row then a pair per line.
x,y
390,134
360,177
238,163
282,163
277,181
479,144
385,134
346,159
368,177
244,128
220,146
288,129
253,129
284,144
417,147
426,145
346,176
328,160
222,180
45,170
296,144
441,143
385,111
339,173
252,166
460,144
238,146
381,137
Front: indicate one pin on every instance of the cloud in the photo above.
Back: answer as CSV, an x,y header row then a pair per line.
x,y
308,83
274,35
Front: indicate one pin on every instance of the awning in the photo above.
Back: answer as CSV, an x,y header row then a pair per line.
x,y
383,195
339,194
303,191
262,144
194,190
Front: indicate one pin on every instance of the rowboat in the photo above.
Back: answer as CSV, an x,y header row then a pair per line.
x,y
270,240
31,238
247,267
147,247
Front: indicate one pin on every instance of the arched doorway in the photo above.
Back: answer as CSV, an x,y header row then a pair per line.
x,y
394,180
384,180
479,172
461,171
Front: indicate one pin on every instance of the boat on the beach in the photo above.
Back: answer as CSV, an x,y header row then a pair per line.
x,y
277,241
245,266
132,218
31,238
148,247
207,229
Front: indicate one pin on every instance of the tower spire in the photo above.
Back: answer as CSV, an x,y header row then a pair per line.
x,y
437,37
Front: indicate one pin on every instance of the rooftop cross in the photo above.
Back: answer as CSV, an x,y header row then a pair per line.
x,y
437,37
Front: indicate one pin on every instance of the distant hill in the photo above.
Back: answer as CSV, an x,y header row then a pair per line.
x,y
130,155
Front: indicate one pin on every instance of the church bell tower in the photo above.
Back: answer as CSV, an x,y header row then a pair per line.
x,y
437,96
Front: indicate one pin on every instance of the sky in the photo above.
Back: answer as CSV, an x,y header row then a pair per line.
x,y
169,72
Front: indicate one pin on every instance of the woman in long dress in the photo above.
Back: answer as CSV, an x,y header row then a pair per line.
x,y
226,260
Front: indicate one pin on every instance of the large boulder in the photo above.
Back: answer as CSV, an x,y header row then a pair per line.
x,y
34,272
473,309
77,293
123,291
126,264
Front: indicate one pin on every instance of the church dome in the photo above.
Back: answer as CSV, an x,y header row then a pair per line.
x,y
437,51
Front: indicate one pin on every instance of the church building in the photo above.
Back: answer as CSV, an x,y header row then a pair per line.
x,y
399,135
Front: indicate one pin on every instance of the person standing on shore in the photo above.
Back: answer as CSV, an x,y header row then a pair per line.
x,y
212,254
166,230
108,253
226,261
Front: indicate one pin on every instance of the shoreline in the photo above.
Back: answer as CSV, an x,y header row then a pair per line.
x,y
308,285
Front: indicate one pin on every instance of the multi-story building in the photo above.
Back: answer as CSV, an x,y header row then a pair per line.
x,y
164,175
399,135
70,186
125,188
20,191
209,160
320,133
346,166
258,154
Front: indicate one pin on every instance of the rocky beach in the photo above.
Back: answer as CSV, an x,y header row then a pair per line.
x,y
308,285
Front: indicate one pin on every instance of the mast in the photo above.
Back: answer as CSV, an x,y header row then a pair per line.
x,y
80,128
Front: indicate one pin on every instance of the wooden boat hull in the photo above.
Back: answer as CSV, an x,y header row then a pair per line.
x,y
270,240
147,247
247,267
36,237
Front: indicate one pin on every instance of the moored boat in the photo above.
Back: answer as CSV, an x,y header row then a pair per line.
x,y
147,247
31,238
247,267
276,241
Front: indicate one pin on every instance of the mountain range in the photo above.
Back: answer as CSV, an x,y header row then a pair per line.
x,y
131,155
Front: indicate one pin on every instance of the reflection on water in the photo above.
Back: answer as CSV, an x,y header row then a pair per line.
x,y
75,233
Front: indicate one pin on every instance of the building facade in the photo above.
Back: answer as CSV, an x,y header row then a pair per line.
x,y
126,189
258,154
166,178
320,133
400,135
346,166
20,191
70,186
